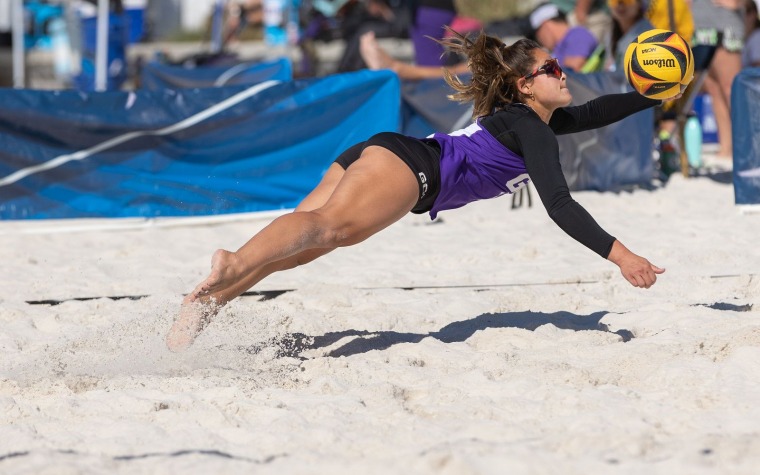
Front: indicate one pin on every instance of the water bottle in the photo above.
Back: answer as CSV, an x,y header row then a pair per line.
x,y
274,22
59,40
692,136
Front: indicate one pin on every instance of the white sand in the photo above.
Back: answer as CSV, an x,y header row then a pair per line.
x,y
510,375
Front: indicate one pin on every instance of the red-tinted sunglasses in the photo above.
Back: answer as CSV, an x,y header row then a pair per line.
x,y
551,68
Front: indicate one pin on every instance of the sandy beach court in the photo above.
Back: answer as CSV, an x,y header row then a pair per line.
x,y
484,343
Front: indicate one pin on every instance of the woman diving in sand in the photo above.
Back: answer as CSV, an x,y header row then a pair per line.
x,y
520,99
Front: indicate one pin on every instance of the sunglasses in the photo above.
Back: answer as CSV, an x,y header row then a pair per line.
x,y
551,68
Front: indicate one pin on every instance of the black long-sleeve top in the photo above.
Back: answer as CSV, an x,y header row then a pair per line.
x,y
521,130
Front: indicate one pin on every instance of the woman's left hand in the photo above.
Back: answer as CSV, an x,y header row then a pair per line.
x,y
636,269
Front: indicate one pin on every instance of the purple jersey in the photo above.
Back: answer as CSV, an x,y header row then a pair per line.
x,y
475,166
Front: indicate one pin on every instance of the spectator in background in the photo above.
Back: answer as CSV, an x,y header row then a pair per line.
x,y
319,21
377,58
628,22
429,17
240,15
591,14
719,26
384,18
751,51
673,15
572,46
507,20
429,20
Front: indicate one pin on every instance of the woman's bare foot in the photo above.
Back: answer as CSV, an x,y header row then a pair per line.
x,y
373,54
225,272
204,302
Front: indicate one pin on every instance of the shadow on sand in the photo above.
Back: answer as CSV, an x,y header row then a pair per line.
x,y
294,344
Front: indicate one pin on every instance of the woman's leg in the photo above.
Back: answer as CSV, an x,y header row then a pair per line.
x,y
724,67
722,115
314,200
376,190
196,312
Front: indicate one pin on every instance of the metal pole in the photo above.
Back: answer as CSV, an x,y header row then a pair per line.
x,y
17,25
217,26
101,47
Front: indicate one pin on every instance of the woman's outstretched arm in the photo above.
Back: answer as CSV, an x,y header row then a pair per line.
x,y
603,110
541,154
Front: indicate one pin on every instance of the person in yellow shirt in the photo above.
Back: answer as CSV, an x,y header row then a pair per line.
x,y
673,15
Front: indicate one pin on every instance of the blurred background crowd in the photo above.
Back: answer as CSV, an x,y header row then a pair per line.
x,y
324,37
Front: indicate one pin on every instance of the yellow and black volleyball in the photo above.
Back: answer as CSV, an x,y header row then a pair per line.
x,y
659,64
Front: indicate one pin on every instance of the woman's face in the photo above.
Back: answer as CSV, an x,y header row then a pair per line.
x,y
625,11
547,82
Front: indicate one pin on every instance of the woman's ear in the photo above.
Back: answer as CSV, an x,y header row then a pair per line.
x,y
522,86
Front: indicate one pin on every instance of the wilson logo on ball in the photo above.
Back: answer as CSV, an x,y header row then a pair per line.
x,y
668,63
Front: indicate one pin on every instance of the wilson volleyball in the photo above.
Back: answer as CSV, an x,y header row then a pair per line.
x,y
659,64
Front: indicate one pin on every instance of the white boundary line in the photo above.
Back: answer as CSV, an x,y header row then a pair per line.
x,y
749,209
183,124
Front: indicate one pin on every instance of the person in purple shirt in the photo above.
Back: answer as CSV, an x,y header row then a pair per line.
x,y
572,46
428,19
520,102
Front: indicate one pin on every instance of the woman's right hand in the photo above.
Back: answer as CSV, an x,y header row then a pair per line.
x,y
636,269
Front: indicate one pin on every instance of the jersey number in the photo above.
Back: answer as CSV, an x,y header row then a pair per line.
x,y
517,182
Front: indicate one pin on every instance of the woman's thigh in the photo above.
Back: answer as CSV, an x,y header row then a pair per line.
x,y
319,195
374,192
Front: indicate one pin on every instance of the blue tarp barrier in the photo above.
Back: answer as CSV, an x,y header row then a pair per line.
x,y
745,117
156,75
183,152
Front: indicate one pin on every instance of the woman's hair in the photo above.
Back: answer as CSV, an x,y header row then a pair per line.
x,y
495,69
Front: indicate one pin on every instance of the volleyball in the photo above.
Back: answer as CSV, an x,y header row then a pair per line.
x,y
659,64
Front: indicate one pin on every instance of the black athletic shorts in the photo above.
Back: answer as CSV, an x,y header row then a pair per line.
x,y
423,156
